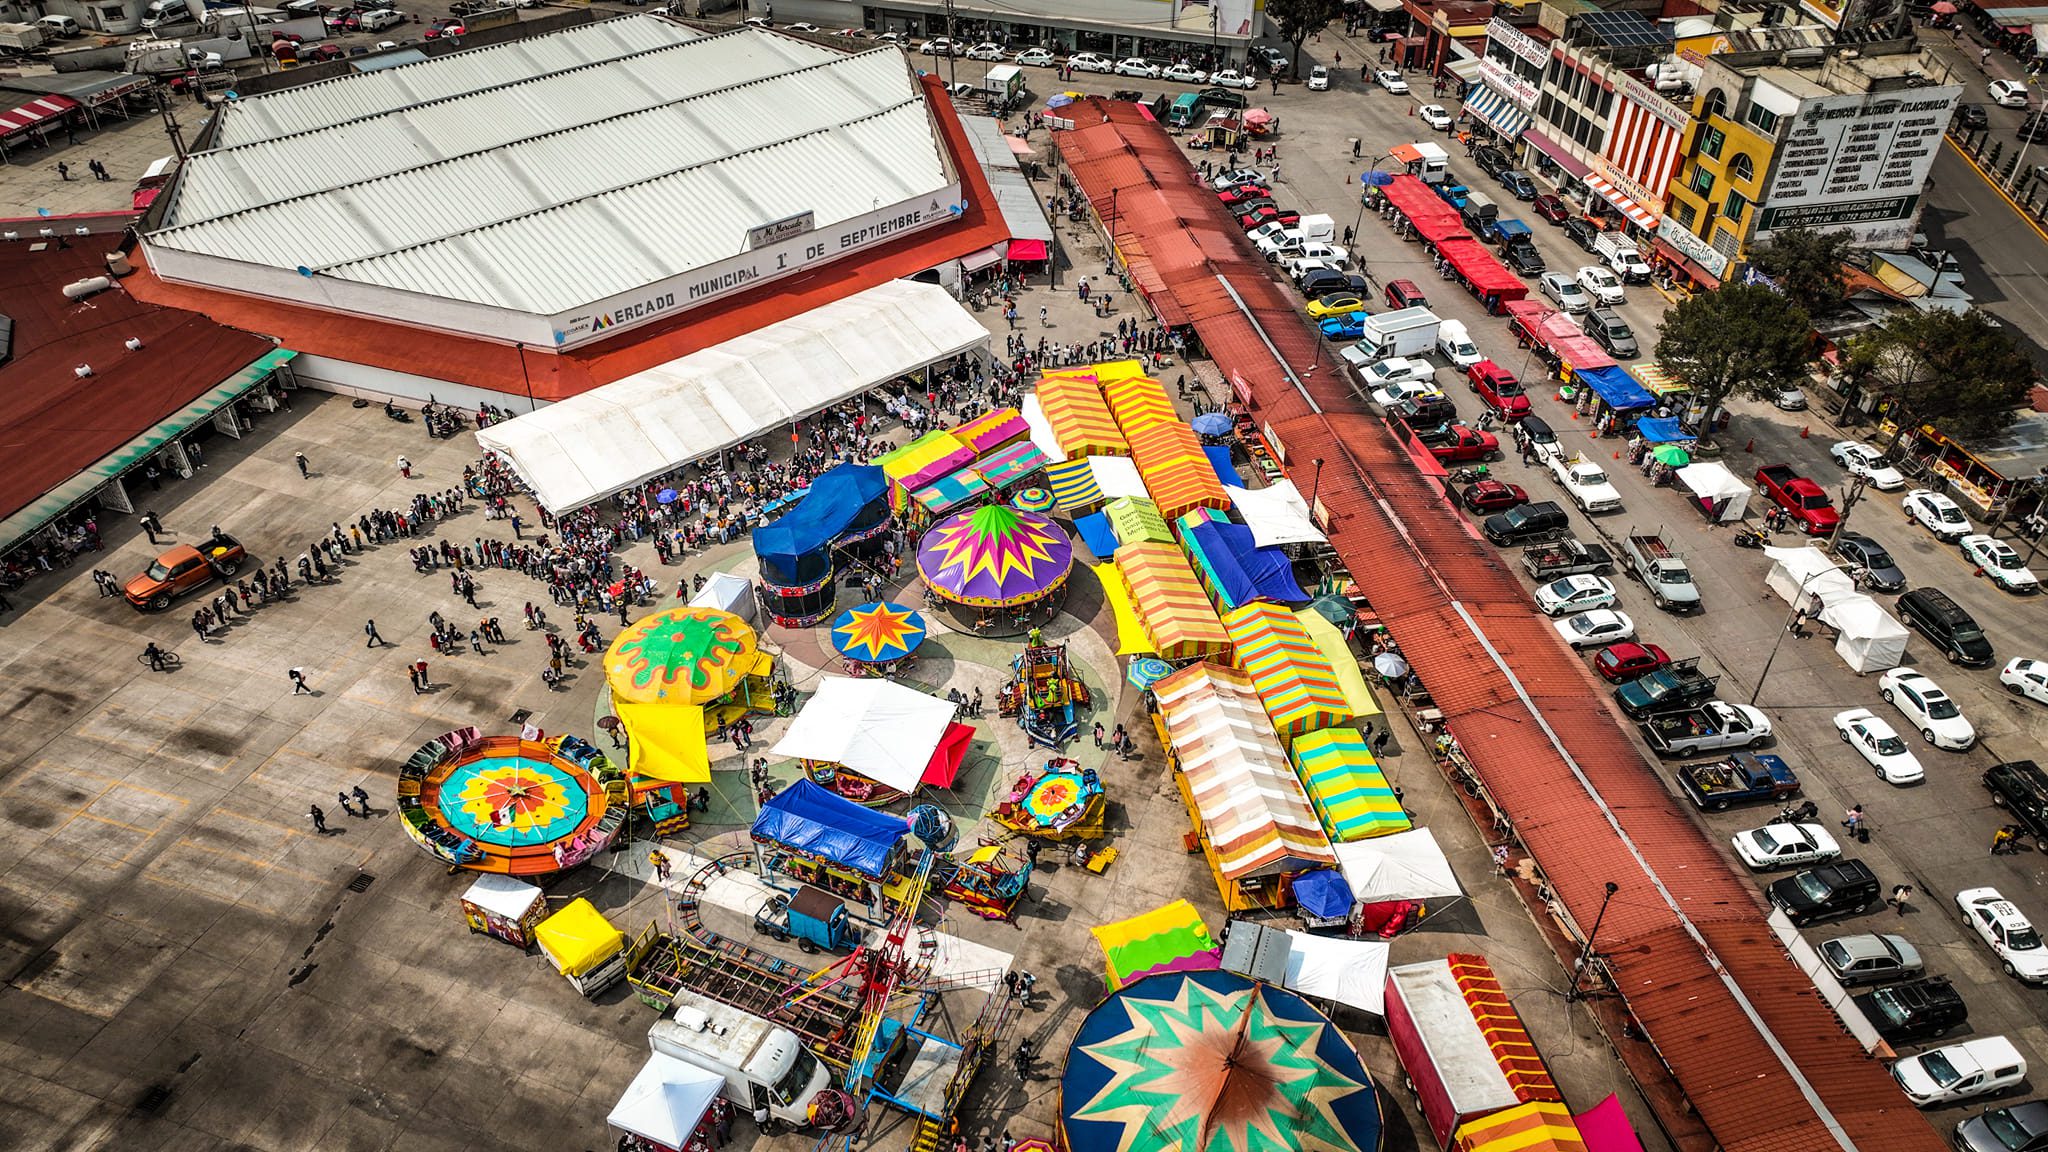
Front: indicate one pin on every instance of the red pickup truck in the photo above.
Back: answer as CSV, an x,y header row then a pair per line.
x,y
1807,501
1456,443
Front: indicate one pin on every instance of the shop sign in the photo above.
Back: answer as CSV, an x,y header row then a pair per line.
x,y
1692,247
1498,78
1517,41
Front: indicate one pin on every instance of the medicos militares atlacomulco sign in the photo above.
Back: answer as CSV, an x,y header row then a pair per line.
x,y
1858,162
792,247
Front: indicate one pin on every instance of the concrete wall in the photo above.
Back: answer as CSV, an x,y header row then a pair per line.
x,y
380,384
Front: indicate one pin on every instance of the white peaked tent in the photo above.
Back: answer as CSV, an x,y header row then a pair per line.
x,y
1350,972
882,730
665,1101
728,593
1803,577
1276,514
1404,866
1868,639
1718,493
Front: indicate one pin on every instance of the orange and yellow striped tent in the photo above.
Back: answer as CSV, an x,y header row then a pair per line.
x,y
1080,420
1512,1049
1538,1126
1170,602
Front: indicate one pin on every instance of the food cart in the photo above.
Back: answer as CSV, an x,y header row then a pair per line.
x,y
504,907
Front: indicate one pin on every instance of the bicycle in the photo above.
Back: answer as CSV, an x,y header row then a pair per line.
x,y
166,660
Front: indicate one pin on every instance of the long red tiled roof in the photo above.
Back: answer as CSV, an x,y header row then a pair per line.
x,y
553,375
1582,798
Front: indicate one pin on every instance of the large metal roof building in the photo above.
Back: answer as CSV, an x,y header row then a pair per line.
x,y
561,189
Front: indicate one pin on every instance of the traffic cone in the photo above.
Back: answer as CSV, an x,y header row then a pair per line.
x,y
1617,453
1751,446
1803,431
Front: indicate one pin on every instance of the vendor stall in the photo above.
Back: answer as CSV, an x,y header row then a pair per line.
x,y
1235,571
1177,617
993,430
1538,1126
936,453
1177,474
667,1104
1020,465
1293,680
871,741
1328,638
1346,786
584,947
1867,638
946,495
1276,514
1079,416
1131,637
1170,938
727,593
503,907
1134,520
1714,491
1074,490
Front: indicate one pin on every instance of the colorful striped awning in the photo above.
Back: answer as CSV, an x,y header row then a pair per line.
x,y
1176,472
920,462
992,430
1254,818
1498,1022
1292,677
950,492
1329,640
1011,466
1074,489
1345,784
1139,403
1080,420
1176,614
1135,520
1171,938
1538,1126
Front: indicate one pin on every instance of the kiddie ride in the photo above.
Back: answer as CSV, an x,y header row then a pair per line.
x,y
1062,801
1044,695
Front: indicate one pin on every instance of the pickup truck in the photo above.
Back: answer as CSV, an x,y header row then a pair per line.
x,y
1740,779
184,567
1456,443
1805,500
1585,482
1653,561
1678,685
1569,557
1708,728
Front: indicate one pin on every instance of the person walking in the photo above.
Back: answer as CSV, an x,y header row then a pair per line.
x,y
659,859
1900,894
1853,821
298,676
149,526
370,631
362,800
1098,733
1379,742
319,820
305,469
405,467
341,798
64,170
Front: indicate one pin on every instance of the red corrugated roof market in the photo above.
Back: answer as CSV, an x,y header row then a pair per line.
x,y
1582,799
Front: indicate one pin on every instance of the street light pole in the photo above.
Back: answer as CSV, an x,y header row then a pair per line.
x,y
1586,953
1789,618
1315,486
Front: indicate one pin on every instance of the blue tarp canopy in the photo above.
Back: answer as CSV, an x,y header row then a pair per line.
x,y
1219,459
817,822
1621,391
848,497
1242,571
1323,894
1098,535
1663,430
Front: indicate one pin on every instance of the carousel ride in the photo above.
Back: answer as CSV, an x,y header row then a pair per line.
x,y
511,806
878,639
997,563
1061,801
1045,694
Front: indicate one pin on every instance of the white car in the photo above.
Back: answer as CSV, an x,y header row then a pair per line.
x,y
1786,846
1581,593
1565,291
1089,62
753,22
1602,285
1930,709
1789,400
2024,677
2006,929
1232,78
1391,80
1319,79
1435,116
2007,93
804,26
1996,559
1585,482
1036,58
1938,514
986,50
1860,459
1455,343
1334,254
1593,629
1185,74
1874,740
1283,241
1959,1071
941,46
1138,66
1399,378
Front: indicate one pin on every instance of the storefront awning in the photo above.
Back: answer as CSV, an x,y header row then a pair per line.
x,y
1692,268
976,261
1504,115
1644,218
34,112
1465,69
1556,152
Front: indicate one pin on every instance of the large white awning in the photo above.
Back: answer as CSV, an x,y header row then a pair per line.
x,y
632,430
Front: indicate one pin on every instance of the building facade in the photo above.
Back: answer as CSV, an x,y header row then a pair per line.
x,y
1217,30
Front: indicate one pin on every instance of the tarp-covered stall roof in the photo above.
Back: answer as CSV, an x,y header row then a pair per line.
x,y
1345,784
1176,614
818,822
666,1100
611,438
1233,570
1487,275
847,498
1620,390
1276,515
878,728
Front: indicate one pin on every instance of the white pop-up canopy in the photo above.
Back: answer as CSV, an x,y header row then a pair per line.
x,y
1117,476
880,729
1276,514
632,430
1404,866
1042,436
1350,972
1867,638
665,1102
1716,492
727,593
1806,576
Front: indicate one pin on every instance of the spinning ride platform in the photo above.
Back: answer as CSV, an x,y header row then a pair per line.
x,y
1063,801
877,639
1045,695
506,805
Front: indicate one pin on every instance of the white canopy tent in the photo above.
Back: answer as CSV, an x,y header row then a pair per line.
x,y
1042,436
1404,866
1276,514
1867,638
1805,577
1117,476
880,729
728,593
1352,972
632,430
666,1100
1718,493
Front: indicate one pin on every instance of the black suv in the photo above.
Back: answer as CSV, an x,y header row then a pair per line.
x,y
1491,160
1843,888
1581,231
1525,259
2021,788
1914,1011
1527,524
1424,412
1324,281
1943,621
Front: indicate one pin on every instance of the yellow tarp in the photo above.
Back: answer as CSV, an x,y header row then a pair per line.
x,y
666,740
1131,639
1350,681
1113,371
578,938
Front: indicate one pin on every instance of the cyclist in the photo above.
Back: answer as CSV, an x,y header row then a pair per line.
x,y
155,656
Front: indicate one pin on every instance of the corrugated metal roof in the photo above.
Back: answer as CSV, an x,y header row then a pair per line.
x,y
550,191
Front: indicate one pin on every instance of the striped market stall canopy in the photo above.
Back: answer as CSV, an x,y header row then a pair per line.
x,y
1249,807
1329,640
1131,638
1346,786
1080,420
1171,938
1011,466
1139,403
1176,615
1135,520
1176,472
950,492
920,462
1538,1126
1512,1049
1290,674
1074,489
992,430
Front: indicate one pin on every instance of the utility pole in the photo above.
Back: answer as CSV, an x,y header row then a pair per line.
x,y
953,49
171,129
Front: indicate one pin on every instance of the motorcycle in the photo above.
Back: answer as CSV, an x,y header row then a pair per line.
x,y
1473,474
1749,537
1805,812
397,413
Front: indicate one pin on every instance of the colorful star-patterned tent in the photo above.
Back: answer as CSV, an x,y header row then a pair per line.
x,y
878,633
682,656
1214,1062
995,556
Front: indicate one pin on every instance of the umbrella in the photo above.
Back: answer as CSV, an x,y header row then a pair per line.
x,y
1059,101
1033,500
1147,671
666,495
1375,178
1390,665
877,633
1257,117
1213,424
1336,609
1671,454
1944,8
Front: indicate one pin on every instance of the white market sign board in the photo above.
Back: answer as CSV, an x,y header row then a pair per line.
x,y
1858,161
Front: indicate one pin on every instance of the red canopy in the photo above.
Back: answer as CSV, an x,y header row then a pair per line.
x,y
1488,276
1027,250
951,753
35,112
1434,220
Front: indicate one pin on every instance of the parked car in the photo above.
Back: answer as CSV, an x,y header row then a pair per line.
x,y
1552,207
1491,160
1581,231
1880,572
1435,116
1391,80
1789,400
1335,304
2024,677
1626,661
2020,1128
1138,66
2008,933
1090,62
1405,294
1914,1011
1603,286
1349,326
1943,621
1530,523
1972,117
1399,378
1870,958
1880,747
1860,459
1575,594
987,50
1325,282
1383,35
1937,513
1232,78
2021,788
1185,74
183,568
1839,888
1498,389
1517,182
1786,846
1977,1067
1564,291
1611,332
1999,562
1035,58
942,46
1600,626
1492,496
1930,710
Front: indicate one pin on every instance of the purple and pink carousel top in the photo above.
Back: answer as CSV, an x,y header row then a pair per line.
x,y
995,556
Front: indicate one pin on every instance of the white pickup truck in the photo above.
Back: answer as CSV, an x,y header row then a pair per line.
x,y
1585,482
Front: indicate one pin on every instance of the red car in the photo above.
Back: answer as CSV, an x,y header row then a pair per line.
x,y
1243,193
1499,390
322,52
442,28
1404,294
1552,208
1619,662
1266,214
1492,496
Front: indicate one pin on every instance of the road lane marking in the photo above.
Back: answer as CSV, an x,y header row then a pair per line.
x,y
1995,187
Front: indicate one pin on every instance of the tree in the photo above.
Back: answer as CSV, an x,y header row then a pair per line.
x,y
1955,370
1301,19
1806,265
1741,340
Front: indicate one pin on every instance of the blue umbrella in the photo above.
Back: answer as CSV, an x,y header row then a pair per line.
x,y
1375,178
666,496
1147,671
1059,101
1213,424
